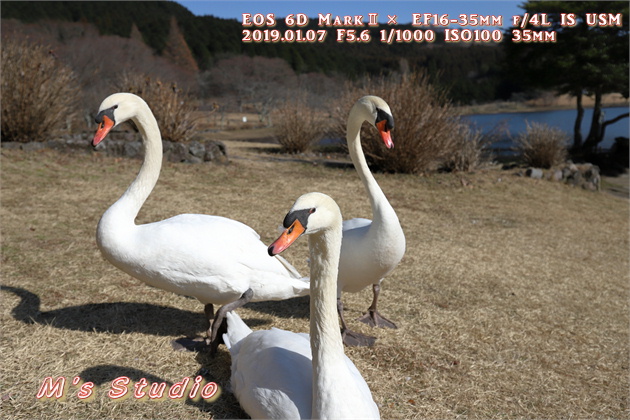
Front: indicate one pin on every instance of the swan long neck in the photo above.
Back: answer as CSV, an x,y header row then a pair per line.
x,y
378,201
326,341
134,197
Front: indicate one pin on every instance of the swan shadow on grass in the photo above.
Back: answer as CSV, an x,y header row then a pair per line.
x,y
298,307
103,375
114,317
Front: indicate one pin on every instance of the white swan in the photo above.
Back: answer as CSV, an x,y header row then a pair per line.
x,y
214,259
280,374
371,249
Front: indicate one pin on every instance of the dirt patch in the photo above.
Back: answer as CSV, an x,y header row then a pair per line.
x,y
617,185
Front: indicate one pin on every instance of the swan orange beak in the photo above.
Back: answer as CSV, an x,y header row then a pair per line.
x,y
286,238
386,134
103,128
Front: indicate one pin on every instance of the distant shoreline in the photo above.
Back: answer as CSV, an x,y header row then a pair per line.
x,y
541,104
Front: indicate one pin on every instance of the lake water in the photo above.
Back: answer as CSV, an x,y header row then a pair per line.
x,y
515,123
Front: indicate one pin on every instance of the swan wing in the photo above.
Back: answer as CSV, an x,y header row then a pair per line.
x,y
212,258
365,403
369,252
355,223
272,372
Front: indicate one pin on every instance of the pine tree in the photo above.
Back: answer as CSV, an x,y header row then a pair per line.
x,y
177,49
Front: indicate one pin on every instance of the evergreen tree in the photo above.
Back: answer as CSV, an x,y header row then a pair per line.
x,y
177,50
586,59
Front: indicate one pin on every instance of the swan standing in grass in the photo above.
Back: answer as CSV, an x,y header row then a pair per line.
x,y
371,249
214,259
285,375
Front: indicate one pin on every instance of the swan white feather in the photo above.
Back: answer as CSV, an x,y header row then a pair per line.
x,y
281,374
371,249
211,258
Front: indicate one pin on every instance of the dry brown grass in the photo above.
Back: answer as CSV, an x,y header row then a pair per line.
x,y
512,298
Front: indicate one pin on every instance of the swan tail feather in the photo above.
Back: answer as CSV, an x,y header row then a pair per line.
x,y
237,330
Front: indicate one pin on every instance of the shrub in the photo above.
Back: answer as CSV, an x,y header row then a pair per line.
x,y
38,92
427,131
542,146
298,126
173,108
470,150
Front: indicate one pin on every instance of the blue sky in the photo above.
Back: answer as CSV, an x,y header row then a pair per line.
x,y
403,9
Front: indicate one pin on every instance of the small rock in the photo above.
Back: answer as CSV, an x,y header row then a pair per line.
x,y
215,152
193,159
197,149
57,145
574,178
178,153
11,145
167,146
534,173
132,149
589,186
33,146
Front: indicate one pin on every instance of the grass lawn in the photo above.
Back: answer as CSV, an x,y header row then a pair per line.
x,y
512,299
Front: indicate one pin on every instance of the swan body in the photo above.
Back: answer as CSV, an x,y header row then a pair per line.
x,y
214,259
165,255
281,374
371,249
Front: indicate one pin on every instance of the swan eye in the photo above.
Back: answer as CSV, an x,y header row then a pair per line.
x,y
311,211
382,116
115,107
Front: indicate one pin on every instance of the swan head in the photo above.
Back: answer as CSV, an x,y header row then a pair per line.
x,y
376,111
312,213
115,110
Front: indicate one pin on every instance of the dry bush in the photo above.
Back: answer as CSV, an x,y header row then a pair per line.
x,y
173,108
542,146
298,125
38,92
471,150
427,131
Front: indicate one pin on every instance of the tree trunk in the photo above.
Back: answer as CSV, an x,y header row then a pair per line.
x,y
577,127
614,120
594,135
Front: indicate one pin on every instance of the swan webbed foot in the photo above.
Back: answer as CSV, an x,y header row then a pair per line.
x,y
201,344
354,339
374,319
